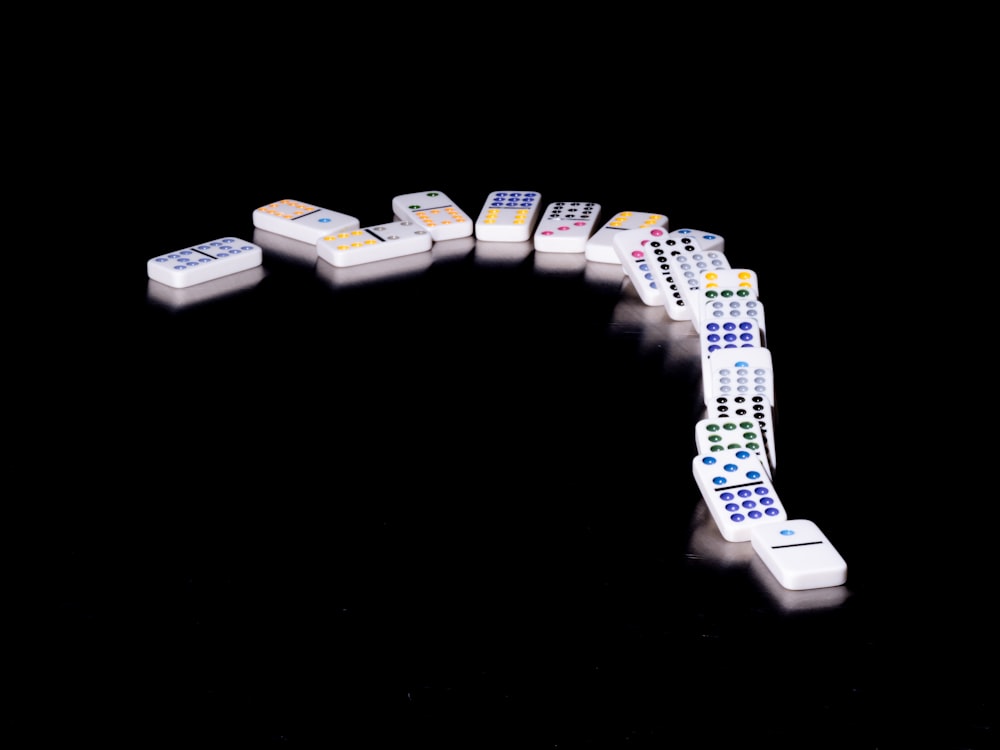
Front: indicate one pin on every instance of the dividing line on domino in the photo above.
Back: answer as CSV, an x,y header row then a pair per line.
x,y
204,262
565,226
508,216
435,211
738,491
301,221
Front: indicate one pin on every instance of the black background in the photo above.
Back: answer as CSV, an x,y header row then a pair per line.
x,y
457,507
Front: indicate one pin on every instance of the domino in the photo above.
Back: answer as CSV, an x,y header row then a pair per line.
x,y
565,227
600,247
378,242
508,216
435,211
756,407
720,279
302,221
740,372
727,304
641,253
799,554
739,494
714,434
729,334
205,262
685,254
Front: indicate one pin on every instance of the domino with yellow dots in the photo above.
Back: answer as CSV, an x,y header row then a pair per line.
x,y
508,216
377,242
301,221
600,247
436,212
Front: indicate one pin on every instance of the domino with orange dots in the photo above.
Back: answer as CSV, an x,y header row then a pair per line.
x,y
301,221
508,216
600,246
378,242
436,212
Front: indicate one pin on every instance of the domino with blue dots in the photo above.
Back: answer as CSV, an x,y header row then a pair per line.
x,y
799,554
726,335
738,491
508,216
756,407
204,262
739,372
301,221
436,212
714,434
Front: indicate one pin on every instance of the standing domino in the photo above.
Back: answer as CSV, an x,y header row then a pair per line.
x,y
301,221
642,253
600,247
720,305
714,434
685,254
565,227
756,407
720,279
735,486
508,216
436,211
204,262
729,334
798,554
379,242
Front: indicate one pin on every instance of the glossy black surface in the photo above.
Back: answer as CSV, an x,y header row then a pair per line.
x,y
449,500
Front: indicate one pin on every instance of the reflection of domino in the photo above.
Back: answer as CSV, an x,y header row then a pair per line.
x,y
729,334
204,262
508,216
757,408
600,247
301,221
687,253
566,226
715,434
735,486
435,211
379,242
739,372
798,554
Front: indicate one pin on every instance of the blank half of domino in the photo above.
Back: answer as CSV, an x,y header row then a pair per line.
x,y
204,262
565,226
508,216
799,554
301,221
739,494
436,212
378,242
600,246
